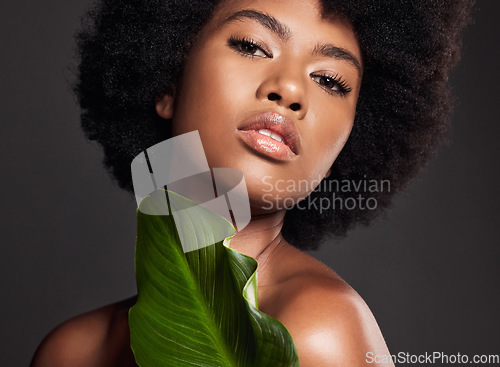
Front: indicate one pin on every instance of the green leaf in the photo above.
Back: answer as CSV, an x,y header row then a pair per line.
x,y
199,308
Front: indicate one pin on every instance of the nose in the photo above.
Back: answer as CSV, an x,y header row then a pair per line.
x,y
286,87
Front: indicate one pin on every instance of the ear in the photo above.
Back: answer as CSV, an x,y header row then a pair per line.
x,y
165,106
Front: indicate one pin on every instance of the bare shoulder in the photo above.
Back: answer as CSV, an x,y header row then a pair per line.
x,y
91,339
328,320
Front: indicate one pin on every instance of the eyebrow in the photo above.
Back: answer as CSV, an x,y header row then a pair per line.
x,y
338,53
266,20
283,32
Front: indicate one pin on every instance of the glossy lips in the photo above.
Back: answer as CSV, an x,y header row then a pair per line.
x,y
264,142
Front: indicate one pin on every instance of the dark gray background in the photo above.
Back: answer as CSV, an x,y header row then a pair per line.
x,y
429,269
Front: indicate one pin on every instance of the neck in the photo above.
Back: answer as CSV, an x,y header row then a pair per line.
x,y
260,239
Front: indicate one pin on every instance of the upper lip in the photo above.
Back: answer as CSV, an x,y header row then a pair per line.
x,y
277,123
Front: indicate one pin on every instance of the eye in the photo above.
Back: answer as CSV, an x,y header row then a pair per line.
x,y
248,47
332,83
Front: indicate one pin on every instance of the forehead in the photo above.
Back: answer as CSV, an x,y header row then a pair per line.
x,y
234,4
284,7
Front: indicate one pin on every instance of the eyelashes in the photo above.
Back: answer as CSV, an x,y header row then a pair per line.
x,y
248,47
331,83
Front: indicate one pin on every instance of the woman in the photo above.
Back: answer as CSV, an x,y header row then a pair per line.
x,y
276,89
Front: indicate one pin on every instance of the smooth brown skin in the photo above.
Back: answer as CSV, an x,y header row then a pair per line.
x,y
221,87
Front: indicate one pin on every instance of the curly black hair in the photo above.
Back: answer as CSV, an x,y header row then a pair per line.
x,y
132,52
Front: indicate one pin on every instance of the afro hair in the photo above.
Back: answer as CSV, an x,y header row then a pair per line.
x,y
132,52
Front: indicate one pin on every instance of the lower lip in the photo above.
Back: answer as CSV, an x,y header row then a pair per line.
x,y
266,145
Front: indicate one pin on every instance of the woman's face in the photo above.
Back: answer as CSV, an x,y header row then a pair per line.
x,y
277,67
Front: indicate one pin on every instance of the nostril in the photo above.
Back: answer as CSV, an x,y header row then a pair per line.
x,y
295,106
273,97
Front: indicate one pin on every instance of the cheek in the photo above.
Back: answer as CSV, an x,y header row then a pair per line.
x,y
331,134
214,91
